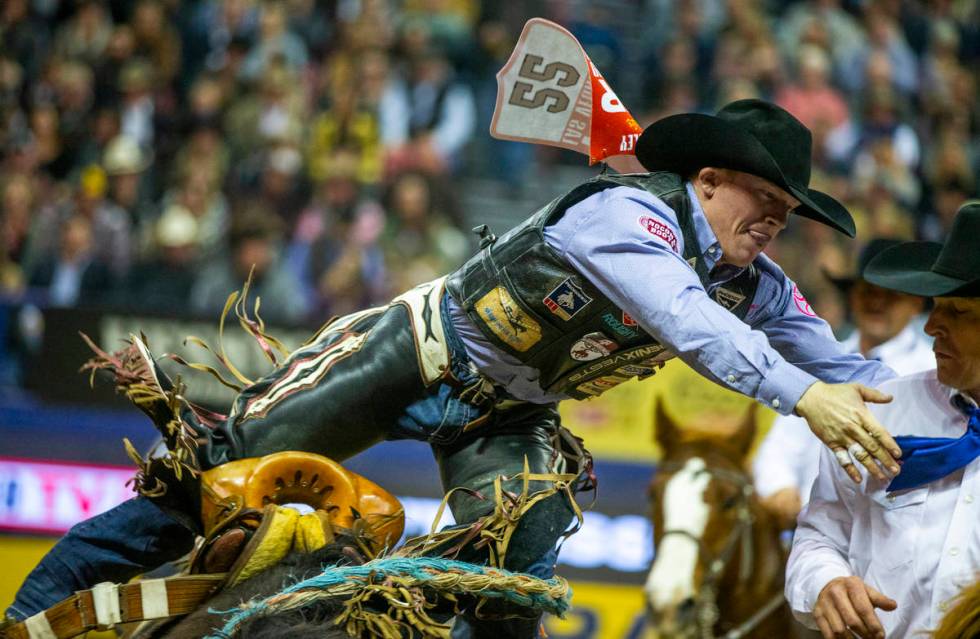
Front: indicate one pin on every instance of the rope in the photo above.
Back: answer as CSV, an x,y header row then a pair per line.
x,y
398,581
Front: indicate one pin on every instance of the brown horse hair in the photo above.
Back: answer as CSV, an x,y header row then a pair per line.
x,y
963,619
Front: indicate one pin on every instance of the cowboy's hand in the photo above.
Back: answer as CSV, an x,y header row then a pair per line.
x,y
846,605
838,417
784,504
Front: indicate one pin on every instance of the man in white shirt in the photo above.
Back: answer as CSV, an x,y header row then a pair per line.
x,y
786,463
906,547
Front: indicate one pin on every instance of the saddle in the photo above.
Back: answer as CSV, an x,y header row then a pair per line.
x,y
243,505
248,528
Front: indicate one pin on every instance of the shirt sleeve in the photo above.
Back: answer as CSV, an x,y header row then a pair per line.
x,y
629,245
803,338
822,538
785,450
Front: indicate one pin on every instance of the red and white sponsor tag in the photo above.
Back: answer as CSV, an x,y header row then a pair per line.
x,y
629,321
658,229
801,302
549,92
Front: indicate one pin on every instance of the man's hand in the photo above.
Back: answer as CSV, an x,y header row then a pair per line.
x,y
784,504
846,605
838,417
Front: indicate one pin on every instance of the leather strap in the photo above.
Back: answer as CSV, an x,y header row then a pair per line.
x,y
108,604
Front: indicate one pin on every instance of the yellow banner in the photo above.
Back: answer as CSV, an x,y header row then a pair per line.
x,y
620,423
600,611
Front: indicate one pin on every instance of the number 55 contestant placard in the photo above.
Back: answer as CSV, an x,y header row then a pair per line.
x,y
549,92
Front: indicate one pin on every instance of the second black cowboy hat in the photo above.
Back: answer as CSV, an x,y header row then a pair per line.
x,y
752,136
931,269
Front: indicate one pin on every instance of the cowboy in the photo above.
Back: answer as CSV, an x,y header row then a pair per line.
x,y
905,546
786,463
597,287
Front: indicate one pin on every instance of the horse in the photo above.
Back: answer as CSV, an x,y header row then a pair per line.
x,y
719,567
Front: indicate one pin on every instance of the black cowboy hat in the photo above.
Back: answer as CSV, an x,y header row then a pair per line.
x,y
752,136
870,250
931,269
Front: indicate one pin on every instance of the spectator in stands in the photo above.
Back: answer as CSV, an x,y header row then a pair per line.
x,y
275,42
812,99
17,216
109,225
200,195
428,118
74,276
156,39
55,158
125,164
164,283
137,109
86,34
334,251
420,241
254,243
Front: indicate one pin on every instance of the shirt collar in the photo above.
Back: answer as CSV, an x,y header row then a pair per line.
x,y
707,241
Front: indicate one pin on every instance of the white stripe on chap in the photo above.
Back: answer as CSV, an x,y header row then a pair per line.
x,y
38,627
671,578
105,596
153,593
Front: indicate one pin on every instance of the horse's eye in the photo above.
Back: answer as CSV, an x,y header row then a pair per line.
x,y
730,502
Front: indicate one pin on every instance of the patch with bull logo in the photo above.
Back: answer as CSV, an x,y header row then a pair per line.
x,y
592,346
566,300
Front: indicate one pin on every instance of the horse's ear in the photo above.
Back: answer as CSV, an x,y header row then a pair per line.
x,y
666,429
745,435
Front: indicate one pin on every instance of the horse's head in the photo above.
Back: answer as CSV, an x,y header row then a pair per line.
x,y
701,513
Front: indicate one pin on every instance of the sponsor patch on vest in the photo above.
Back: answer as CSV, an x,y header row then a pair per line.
x,y
641,355
566,300
507,320
592,346
621,328
728,298
658,229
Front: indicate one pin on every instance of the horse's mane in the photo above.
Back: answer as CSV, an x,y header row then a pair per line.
x,y
963,620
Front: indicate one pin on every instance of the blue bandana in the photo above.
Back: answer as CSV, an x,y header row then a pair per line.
x,y
926,459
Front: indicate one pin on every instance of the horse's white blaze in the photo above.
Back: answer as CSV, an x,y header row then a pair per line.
x,y
671,578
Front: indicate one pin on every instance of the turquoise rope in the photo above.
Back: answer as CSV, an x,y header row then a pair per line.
x,y
420,569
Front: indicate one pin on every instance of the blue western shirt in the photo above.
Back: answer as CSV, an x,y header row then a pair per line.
x,y
774,355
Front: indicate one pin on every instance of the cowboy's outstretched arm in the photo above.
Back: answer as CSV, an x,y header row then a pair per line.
x,y
645,274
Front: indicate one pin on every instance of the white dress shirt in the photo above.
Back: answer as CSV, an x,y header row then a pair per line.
x,y
918,546
790,453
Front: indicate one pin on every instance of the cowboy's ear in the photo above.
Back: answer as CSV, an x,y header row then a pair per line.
x,y
666,429
709,178
745,435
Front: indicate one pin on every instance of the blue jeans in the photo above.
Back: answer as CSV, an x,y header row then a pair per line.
x,y
114,546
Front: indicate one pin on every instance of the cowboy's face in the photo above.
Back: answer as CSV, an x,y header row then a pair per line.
x,y
953,323
746,212
881,314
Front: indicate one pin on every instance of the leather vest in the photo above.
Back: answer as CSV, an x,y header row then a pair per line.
x,y
529,302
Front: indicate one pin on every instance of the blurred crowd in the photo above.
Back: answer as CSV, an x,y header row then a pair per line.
x,y
155,152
